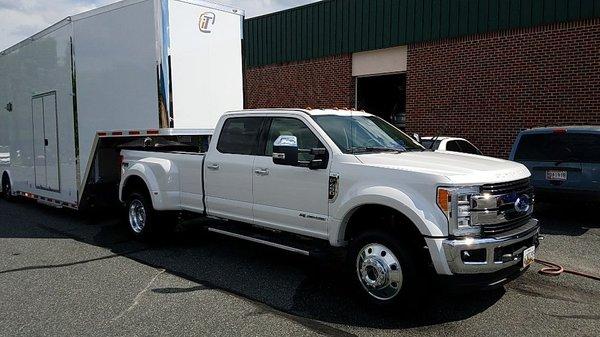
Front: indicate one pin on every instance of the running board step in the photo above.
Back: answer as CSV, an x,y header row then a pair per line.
x,y
289,242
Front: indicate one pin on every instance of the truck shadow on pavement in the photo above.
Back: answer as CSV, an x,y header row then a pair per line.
x,y
306,290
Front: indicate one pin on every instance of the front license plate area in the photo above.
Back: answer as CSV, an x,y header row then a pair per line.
x,y
556,175
528,256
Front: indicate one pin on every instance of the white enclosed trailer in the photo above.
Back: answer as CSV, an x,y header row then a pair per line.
x,y
138,65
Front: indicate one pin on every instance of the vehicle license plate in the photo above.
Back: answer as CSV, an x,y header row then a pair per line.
x,y
556,175
528,256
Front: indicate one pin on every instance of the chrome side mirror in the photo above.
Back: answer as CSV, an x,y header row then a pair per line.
x,y
285,151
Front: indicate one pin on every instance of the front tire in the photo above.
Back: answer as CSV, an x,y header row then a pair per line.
x,y
382,268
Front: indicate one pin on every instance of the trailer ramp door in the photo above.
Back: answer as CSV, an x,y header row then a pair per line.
x,y
45,142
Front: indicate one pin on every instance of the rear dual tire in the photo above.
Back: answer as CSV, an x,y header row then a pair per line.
x,y
144,222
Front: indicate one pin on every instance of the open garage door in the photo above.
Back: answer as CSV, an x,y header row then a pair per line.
x,y
384,96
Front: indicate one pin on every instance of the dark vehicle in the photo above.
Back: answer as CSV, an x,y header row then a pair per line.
x,y
562,160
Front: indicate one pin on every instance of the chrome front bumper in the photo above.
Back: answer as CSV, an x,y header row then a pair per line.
x,y
500,252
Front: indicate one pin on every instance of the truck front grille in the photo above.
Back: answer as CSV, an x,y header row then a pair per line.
x,y
501,228
506,188
496,212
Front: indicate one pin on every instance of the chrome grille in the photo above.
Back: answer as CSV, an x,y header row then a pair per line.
x,y
491,230
508,187
494,209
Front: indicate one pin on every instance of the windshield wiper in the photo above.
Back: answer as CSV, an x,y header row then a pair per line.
x,y
376,149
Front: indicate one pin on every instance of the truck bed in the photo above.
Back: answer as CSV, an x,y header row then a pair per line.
x,y
174,178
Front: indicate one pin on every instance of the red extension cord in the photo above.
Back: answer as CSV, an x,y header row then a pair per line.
x,y
553,269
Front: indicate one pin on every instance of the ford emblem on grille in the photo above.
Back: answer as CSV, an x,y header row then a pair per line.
x,y
523,203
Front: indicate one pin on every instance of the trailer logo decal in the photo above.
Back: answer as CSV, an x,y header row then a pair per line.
x,y
206,21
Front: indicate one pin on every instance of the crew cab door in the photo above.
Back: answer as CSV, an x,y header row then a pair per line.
x,y
289,197
228,169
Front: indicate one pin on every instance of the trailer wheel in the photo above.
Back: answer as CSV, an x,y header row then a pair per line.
x,y
382,268
6,188
141,216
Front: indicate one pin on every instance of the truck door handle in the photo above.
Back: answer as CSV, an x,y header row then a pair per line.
x,y
213,167
262,172
46,142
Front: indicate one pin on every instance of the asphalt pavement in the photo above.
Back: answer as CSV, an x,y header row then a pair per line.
x,y
65,273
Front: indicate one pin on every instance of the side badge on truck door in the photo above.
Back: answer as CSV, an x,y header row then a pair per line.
x,y
333,186
206,21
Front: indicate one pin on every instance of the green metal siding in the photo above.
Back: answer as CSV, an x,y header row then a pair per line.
x,y
332,27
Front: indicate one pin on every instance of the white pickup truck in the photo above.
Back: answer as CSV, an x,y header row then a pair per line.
x,y
346,179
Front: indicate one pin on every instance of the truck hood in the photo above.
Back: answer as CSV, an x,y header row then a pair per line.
x,y
459,168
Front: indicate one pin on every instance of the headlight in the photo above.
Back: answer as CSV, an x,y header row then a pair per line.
x,y
455,202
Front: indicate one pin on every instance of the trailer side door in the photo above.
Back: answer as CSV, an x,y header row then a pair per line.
x,y
45,138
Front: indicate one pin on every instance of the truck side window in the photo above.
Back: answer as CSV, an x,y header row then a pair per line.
x,y
453,146
468,148
293,127
240,135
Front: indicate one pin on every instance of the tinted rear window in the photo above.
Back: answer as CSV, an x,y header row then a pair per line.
x,y
453,146
468,148
565,147
240,135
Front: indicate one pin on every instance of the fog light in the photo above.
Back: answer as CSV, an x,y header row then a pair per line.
x,y
473,256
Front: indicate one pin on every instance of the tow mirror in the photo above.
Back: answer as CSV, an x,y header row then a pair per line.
x,y
320,160
417,137
285,151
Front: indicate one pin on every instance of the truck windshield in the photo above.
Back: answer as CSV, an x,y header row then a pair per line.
x,y
361,134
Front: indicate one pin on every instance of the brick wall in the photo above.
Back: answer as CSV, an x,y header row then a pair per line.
x,y
319,83
487,88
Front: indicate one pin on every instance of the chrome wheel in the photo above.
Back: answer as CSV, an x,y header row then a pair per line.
x,y
379,271
137,216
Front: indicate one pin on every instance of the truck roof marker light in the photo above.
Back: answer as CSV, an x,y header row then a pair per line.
x,y
101,134
134,132
152,132
117,133
560,131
